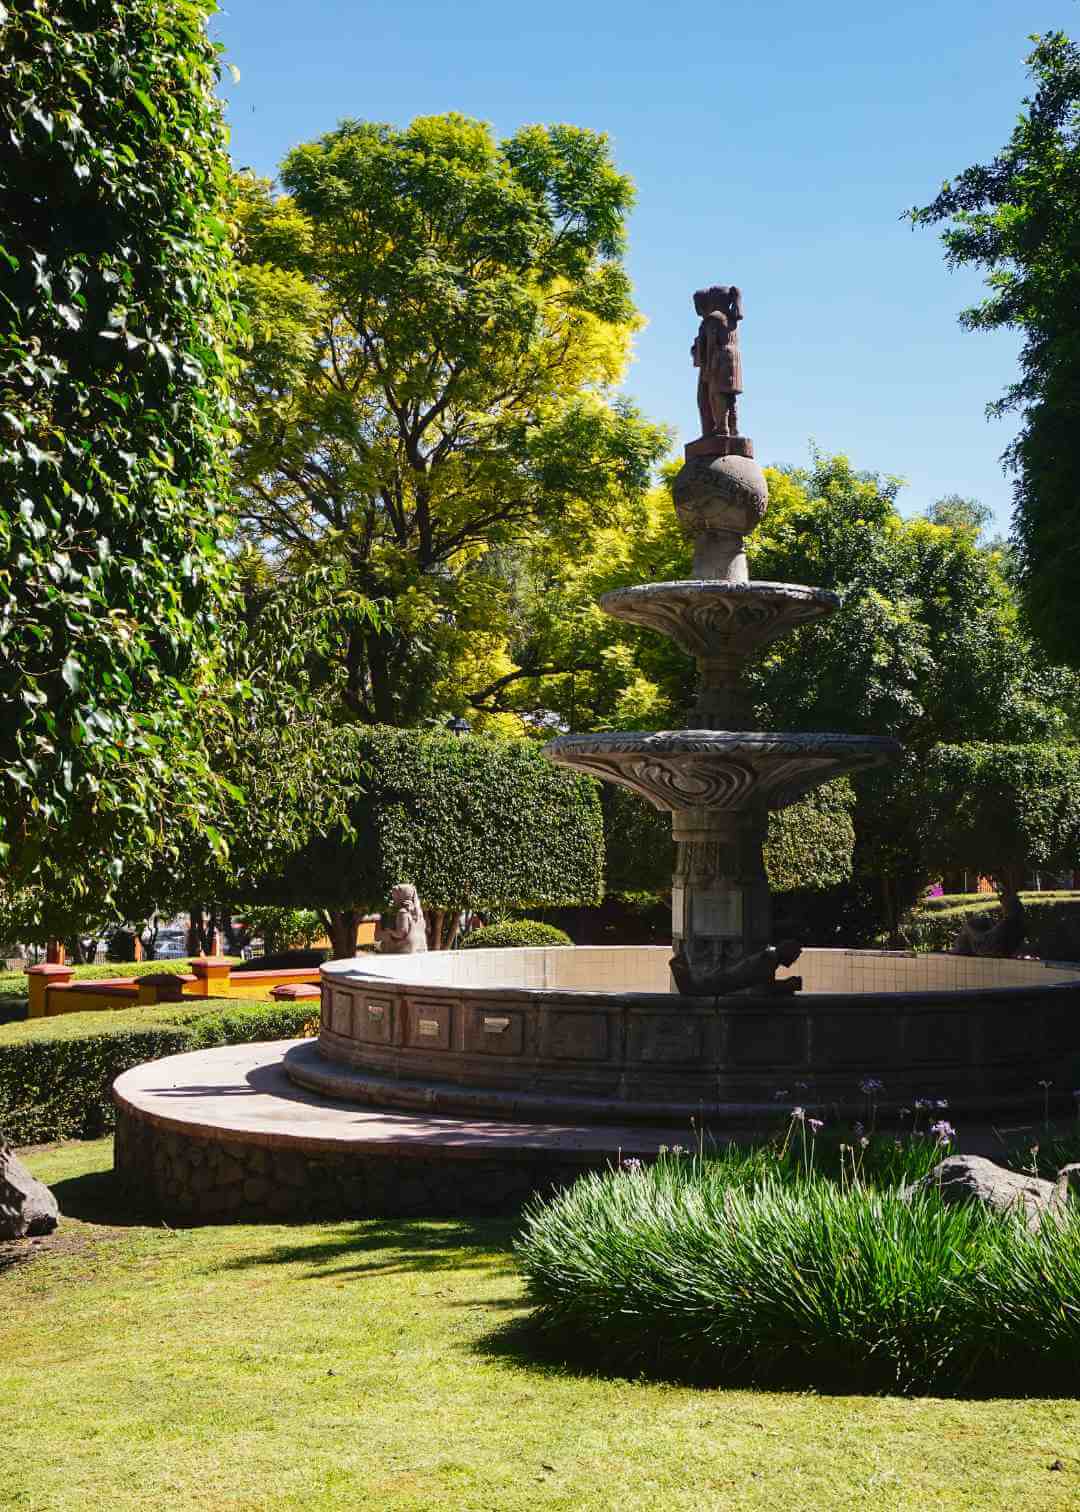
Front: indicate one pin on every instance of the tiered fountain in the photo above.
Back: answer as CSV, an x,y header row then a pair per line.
x,y
459,1080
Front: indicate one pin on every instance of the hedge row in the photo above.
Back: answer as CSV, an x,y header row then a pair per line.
x,y
56,1075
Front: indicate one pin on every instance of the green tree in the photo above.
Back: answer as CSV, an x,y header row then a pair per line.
x,y
115,314
1002,811
440,320
1018,218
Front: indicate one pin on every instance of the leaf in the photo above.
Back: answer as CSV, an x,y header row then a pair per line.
x,y
71,672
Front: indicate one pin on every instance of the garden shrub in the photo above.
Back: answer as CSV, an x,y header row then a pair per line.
x,y
116,315
720,1269
56,1074
515,932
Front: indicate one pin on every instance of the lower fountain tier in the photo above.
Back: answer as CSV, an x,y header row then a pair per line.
x,y
717,618
720,770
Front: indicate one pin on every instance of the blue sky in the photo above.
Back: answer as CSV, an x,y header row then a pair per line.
x,y
774,145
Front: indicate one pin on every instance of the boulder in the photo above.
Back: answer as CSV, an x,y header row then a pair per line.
x,y
973,1178
26,1205
1068,1181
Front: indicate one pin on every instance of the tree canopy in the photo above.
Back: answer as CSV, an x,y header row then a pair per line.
x,y
116,290
1018,218
439,322
1002,810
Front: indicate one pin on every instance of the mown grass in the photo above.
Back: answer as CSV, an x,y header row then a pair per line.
x,y
745,1267
377,1366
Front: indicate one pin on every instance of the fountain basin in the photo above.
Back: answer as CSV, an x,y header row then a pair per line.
x,y
596,1034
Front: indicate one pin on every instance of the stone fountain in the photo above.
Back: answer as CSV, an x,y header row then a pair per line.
x,y
461,1081
719,779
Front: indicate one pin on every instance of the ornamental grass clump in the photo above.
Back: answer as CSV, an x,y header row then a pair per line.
x,y
742,1268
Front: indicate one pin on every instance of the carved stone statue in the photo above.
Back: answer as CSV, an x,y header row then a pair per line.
x,y
754,975
717,358
1000,935
407,933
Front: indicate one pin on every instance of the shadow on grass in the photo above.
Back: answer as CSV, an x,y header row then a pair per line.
x,y
97,1197
525,1344
393,1245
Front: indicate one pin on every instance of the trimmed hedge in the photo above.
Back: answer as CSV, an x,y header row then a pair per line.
x,y
56,1074
470,822
515,933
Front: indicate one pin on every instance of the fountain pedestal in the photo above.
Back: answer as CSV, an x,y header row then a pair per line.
x,y
720,779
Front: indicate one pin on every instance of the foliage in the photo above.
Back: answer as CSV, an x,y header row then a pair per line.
x,y
808,846
714,1269
283,928
439,320
1002,810
469,821
515,932
115,314
56,1074
1018,218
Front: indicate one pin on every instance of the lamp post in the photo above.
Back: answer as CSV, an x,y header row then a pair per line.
x,y
459,726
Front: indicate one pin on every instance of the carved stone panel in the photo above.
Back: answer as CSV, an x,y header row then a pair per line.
x,y
495,1031
665,1038
429,1023
375,1019
938,1038
766,1039
341,1009
577,1036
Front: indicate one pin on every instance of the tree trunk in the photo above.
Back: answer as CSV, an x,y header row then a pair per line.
x,y
455,928
344,923
435,929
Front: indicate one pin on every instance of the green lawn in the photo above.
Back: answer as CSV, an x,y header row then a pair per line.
x,y
383,1366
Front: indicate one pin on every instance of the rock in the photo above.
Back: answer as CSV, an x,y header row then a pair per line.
x,y
26,1205
1068,1181
973,1178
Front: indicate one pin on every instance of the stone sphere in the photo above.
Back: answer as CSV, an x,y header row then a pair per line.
x,y
720,493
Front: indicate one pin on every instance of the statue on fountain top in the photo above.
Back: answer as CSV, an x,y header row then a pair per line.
x,y
718,359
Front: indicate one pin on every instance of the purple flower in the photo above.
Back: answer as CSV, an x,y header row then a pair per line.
x,y
922,1103
815,1124
857,1128
942,1102
1045,1085
798,1112
780,1094
631,1164
870,1084
864,1142
943,1130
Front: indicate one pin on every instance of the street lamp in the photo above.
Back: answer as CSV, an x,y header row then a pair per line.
x,y
458,726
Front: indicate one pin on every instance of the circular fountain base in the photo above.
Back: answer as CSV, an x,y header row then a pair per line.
x,y
597,1034
224,1134
462,1083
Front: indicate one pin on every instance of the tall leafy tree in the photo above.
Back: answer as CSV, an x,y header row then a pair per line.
x,y
1018,218
115,316
440,320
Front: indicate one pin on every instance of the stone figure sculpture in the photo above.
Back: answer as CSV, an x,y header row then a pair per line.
x,y
407,934
717,358
998,935
754,974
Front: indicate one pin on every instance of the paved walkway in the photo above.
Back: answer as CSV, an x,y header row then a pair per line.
x,y
241,1092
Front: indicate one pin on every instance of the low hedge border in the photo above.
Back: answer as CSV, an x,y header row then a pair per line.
x,y
56,1075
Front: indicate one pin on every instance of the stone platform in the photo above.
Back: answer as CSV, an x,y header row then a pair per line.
x,y
224,1133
